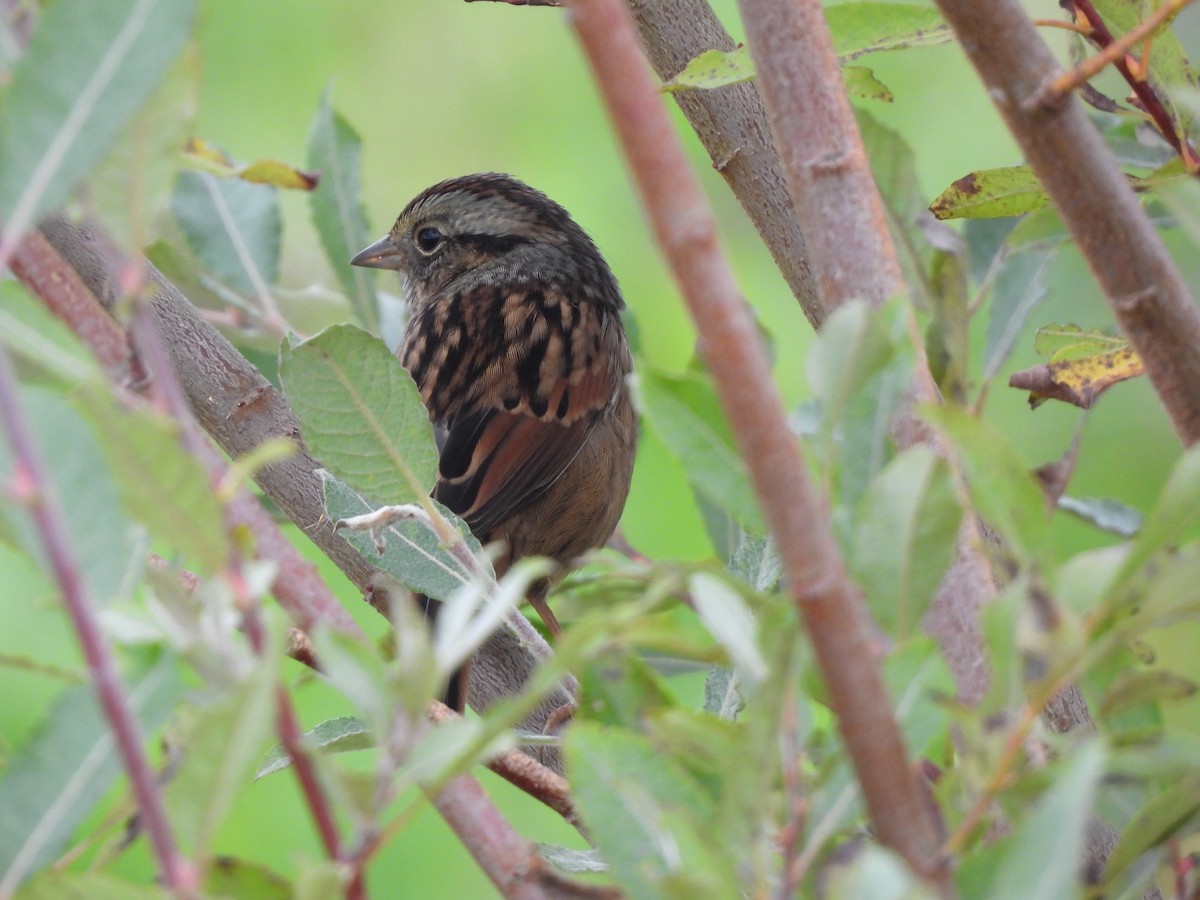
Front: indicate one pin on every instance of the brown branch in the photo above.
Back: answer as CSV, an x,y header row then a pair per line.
x,y
731,124
511,862
525,773
41,269
827,600
732,121
240,409
1144,288
826,168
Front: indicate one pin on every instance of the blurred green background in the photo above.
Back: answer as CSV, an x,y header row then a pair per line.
x,y
438,88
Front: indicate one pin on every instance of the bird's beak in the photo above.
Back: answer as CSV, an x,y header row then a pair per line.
x,y
383,254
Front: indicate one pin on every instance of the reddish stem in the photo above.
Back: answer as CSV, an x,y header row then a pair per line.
x,y
1147,97
44,506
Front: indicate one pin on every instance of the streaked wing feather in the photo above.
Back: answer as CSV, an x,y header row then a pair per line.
x,y
518,458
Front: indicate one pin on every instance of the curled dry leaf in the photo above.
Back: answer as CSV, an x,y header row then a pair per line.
x,y
1077,381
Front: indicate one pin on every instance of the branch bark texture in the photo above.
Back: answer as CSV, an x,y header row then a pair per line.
x,y
827,599
731,124
1148,296
826,166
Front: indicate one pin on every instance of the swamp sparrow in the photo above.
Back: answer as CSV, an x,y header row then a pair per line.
x,y
515,342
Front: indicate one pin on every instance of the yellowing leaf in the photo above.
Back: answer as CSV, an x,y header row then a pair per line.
x,y
210,158
272,171
1078,381
861,82
713,69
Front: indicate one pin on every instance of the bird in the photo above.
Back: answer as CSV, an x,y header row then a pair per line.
x,y
516,344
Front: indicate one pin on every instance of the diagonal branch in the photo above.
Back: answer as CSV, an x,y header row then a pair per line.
x,y
731,124
31,481
826,598
240,409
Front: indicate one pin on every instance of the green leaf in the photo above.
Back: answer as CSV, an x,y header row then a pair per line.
x,y
991,194
859,368
861,82
62,885
858,29
650,819
861,28
41,342
230,877
853,345
871,872
233,227
894,166
731,622
53,782
1157,821
918,678
1043,857
1106,514
1182,200
684,410
412,554
621,689
220,753
161,485
107,548
1132,689
713,69
1005,494
721,696
1020,283
89,67
130,189
755,559
340,735
1177,509
573,862
931,255
905,538
360,414
334,149
1061,342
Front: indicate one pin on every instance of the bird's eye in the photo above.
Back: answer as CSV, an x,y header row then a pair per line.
x,y
429,239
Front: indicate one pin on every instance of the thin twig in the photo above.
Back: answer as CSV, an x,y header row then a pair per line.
x,y
1066,26
163,382
32,481
828,602
40,268
525,773
1146,95
1093,66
